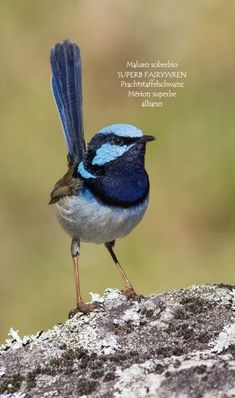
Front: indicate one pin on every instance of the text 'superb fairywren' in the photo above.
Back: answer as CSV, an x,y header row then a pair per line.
x,y
104,193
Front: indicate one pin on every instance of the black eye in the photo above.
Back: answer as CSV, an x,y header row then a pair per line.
x,y
116,140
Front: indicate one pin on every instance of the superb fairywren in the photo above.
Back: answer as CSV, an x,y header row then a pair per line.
x,y
105,191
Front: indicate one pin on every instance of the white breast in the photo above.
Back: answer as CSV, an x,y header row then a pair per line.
x,y
85,218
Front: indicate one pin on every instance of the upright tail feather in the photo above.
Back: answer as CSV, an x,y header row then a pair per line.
x,y
67,89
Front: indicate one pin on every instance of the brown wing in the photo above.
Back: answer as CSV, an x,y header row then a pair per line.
x,y
66,186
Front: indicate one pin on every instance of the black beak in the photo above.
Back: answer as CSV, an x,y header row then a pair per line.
x,y
145,138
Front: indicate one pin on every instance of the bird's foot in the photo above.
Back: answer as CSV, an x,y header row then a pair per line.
x,y
85,308
131,294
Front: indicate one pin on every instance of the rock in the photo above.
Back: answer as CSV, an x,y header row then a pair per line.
x,y
178,344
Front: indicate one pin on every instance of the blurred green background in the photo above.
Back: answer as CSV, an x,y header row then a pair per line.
x,y
187,236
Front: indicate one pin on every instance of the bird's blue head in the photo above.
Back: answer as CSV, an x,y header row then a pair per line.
x,y
114,163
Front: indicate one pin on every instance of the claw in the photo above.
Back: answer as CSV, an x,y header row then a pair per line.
x,y
86,308
131,294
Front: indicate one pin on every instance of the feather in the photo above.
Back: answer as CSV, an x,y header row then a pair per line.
x,y
66,186
66,85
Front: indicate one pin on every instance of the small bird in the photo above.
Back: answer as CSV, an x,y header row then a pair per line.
x,y
105,191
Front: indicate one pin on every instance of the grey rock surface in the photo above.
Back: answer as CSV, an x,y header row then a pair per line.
x,y
178,344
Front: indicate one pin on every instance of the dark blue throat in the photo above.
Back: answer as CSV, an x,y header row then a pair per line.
x,y
122,182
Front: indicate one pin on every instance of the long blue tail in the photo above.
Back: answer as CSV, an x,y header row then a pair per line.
x,y
67,89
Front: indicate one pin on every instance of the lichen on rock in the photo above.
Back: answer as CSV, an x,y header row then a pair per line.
x,y
175,344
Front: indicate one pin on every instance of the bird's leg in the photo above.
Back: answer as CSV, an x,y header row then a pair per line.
x,y
129,290
81,306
